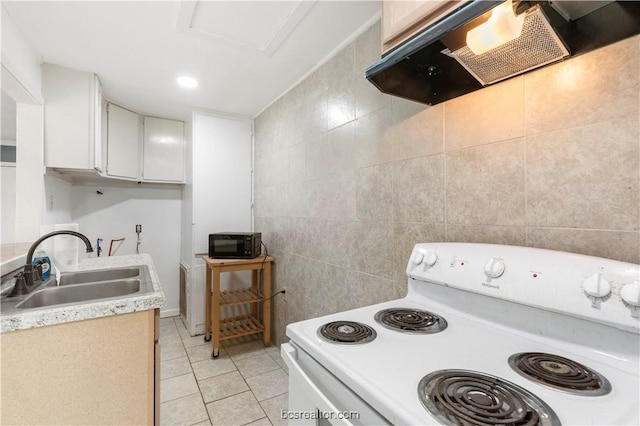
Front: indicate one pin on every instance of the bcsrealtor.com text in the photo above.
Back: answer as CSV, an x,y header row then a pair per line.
x,y
318,414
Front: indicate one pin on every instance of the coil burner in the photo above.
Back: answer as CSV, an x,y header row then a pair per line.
x,y
347,332
411,320
559,373
461,397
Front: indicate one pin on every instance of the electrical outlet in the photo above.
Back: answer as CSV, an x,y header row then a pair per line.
x,y
138,229
284,293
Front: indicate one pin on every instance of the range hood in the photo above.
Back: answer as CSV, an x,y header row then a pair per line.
x,y
441,62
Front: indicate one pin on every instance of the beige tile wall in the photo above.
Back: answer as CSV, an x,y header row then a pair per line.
x,y
349,179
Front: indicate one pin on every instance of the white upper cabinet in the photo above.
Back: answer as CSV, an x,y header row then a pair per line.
x,y
72,117
403,19
82,132
123,143
163,150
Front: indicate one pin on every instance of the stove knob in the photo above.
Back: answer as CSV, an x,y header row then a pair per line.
x,y
494,268
417,257
631,293
431,258
595,286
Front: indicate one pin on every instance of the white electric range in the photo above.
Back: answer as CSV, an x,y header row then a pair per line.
x,y
488,334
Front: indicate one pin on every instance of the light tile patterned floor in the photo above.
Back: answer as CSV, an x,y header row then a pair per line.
x,y
246,384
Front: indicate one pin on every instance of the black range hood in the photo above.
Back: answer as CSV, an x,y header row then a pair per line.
x,y
426,68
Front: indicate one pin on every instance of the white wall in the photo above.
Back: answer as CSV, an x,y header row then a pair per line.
x,y
115,213
29,171
57,201
8,181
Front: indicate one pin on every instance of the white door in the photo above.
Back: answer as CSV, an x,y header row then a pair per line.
x,y
163,150
123,142
221,177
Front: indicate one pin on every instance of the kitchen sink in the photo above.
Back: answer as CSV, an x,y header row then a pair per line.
x,y
84,287
58,295
99,275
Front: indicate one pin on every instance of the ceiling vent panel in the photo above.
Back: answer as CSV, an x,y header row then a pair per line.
x,y
256,25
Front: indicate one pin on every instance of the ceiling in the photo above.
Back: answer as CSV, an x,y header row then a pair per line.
x,y
245,54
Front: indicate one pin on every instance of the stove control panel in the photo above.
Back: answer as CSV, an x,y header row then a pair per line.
x,y
602,290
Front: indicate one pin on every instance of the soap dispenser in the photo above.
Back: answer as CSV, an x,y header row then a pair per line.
x,y
42,258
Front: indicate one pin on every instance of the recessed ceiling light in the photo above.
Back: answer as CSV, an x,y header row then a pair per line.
x,y
188,82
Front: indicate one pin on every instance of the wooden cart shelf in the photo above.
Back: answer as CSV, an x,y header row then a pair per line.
x,y
218,328
239,326
239,297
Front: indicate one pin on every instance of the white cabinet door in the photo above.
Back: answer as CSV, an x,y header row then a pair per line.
x,y
70,119
123,142
98,159
101,157
397,16
402,19
163,150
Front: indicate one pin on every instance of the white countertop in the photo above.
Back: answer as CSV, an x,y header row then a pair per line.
x,y
81,310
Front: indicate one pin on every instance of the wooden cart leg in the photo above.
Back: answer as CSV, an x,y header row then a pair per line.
x,y
266,305
207,298
215,317
254,288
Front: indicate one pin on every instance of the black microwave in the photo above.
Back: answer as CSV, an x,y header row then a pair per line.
x,y
235,245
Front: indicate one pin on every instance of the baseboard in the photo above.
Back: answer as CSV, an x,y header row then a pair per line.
x,y
199,329
164,313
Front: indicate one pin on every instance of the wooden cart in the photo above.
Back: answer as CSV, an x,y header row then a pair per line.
x,y
218,329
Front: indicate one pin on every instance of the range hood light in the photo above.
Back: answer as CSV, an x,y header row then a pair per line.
x,y
546,36
502,27
537,45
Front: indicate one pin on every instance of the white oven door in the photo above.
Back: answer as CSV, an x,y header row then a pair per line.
x,y
317,397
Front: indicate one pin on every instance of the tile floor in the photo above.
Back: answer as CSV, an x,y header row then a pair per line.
x,y
246,385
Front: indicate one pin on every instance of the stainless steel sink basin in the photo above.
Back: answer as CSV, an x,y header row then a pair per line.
x,y
80,293
84,287
99,275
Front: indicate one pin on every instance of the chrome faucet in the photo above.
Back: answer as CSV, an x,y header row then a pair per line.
x,y
26,280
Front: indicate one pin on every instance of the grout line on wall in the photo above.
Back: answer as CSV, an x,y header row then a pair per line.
x,y
444,170
526,151
444,123
467,148
392,169
564,228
